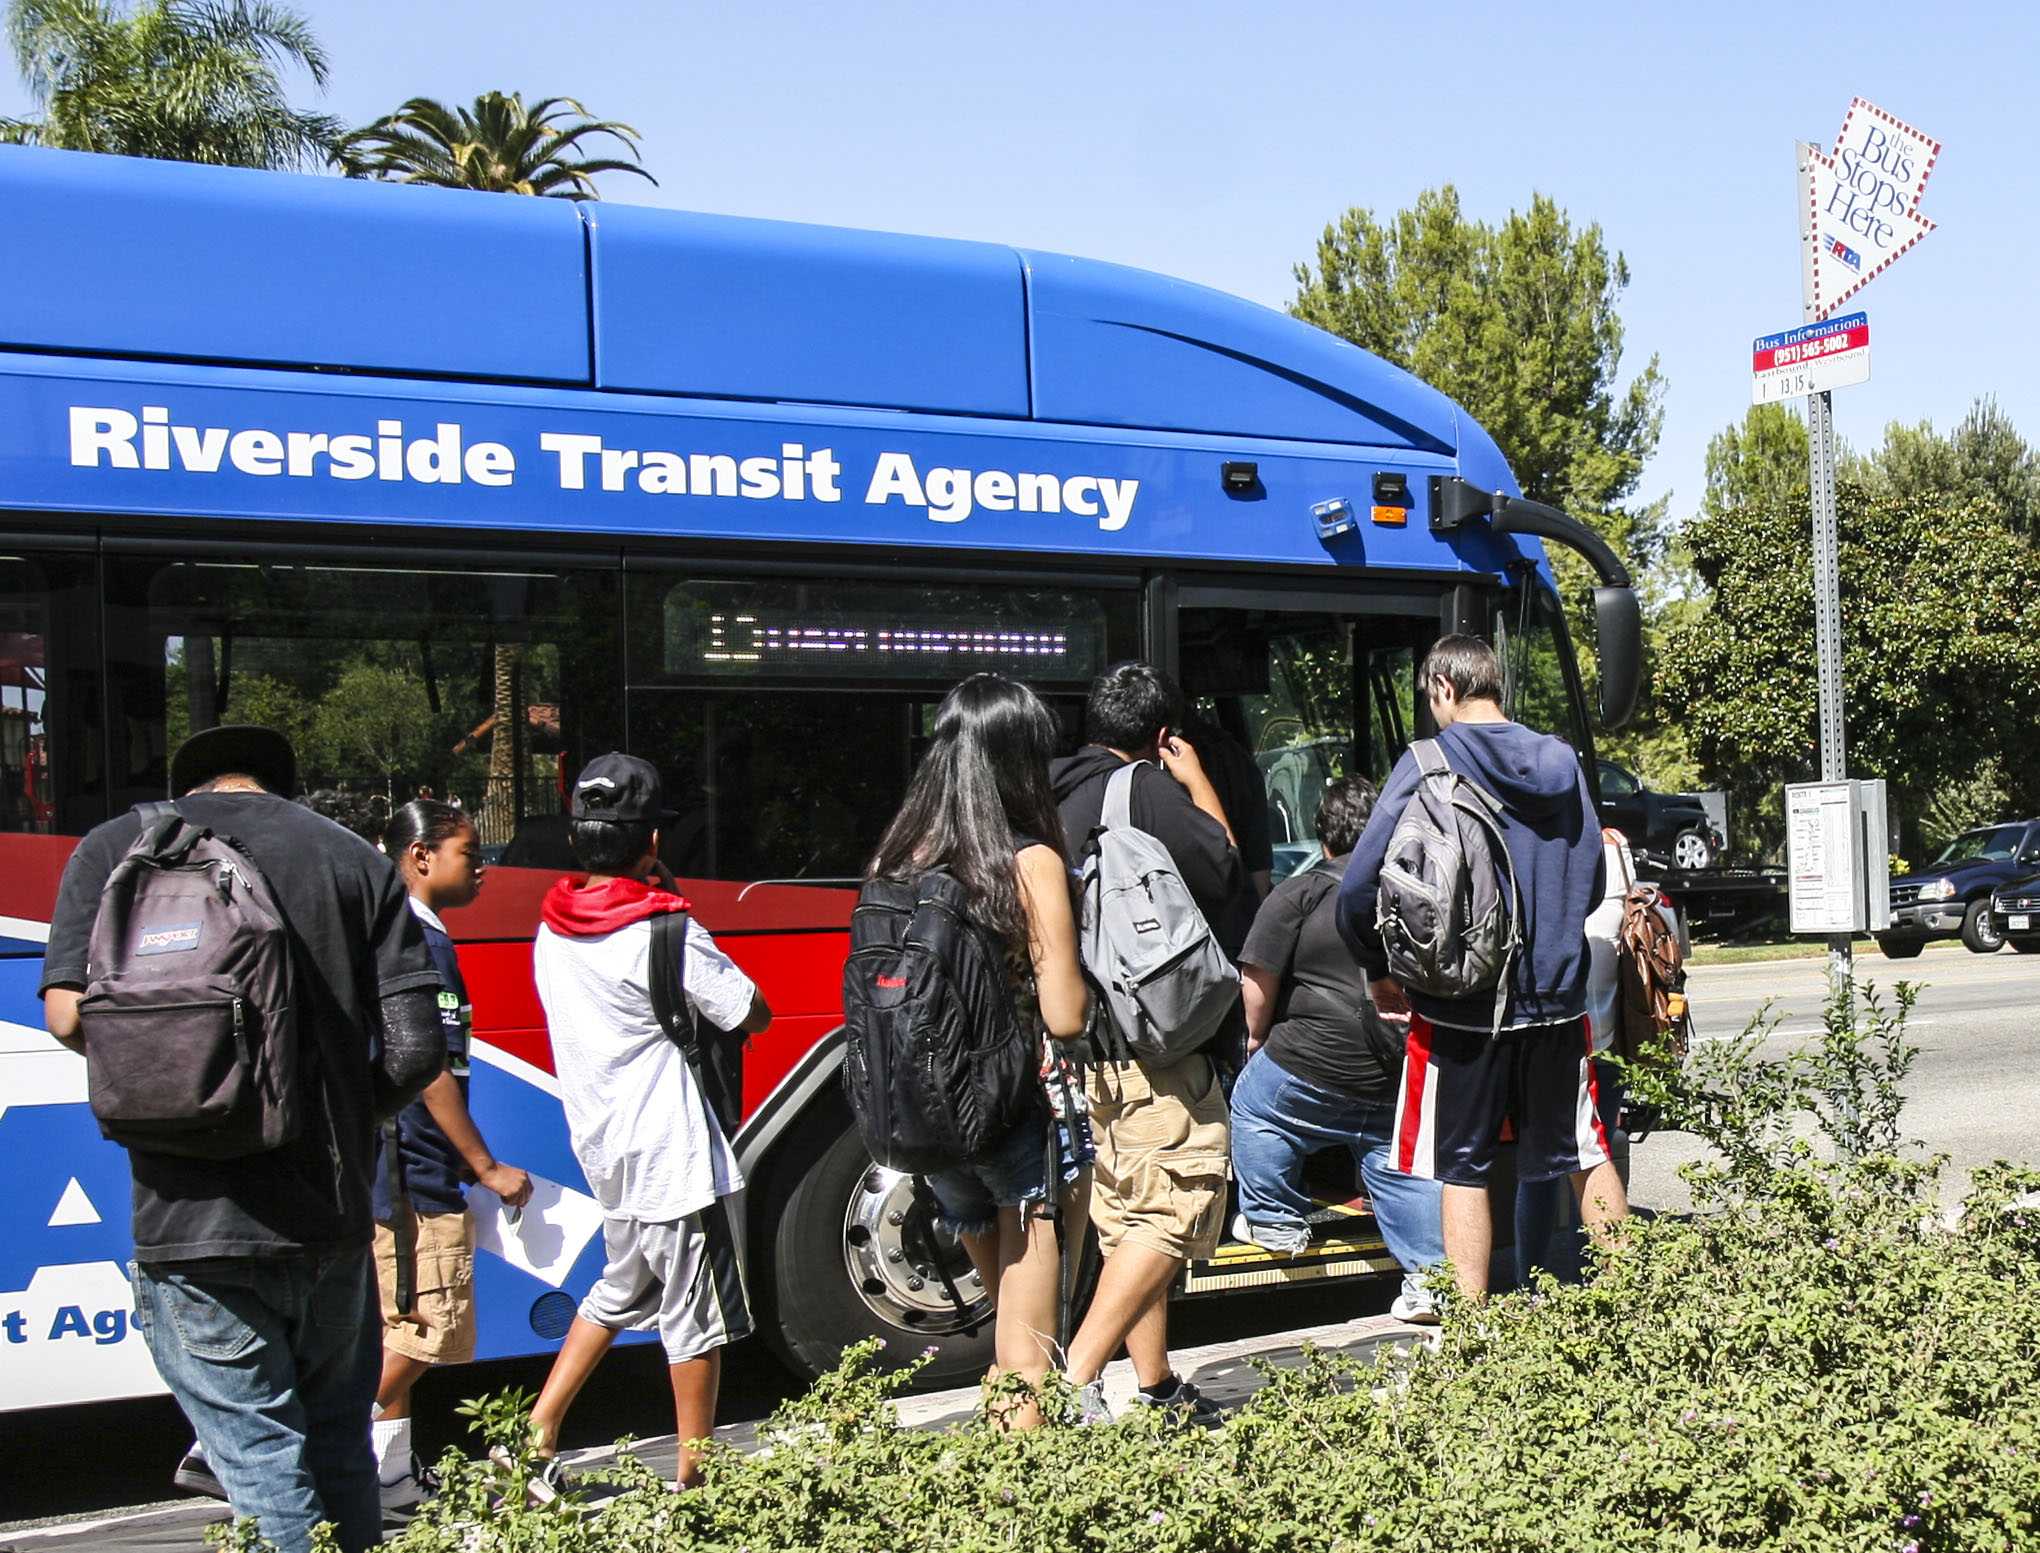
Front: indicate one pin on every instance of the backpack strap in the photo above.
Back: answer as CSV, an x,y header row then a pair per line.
x,y
1118,809
161,823
917,1235
1431,759
666,974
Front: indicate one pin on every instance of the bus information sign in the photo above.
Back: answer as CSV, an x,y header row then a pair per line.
x,y
1810,359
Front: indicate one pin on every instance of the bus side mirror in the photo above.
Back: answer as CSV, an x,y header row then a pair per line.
x,y
1618,626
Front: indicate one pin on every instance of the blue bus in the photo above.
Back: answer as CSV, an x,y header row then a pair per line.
x,y
459,489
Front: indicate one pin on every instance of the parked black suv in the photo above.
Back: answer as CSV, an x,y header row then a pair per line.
x,y
1671,827
1952,894
2015,912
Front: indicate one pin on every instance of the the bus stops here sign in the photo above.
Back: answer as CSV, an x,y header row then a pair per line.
x,y
1810,359
1866,202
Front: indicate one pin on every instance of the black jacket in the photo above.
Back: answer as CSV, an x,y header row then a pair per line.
x,y
1159,805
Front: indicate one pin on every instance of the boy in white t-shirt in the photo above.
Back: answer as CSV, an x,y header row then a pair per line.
x,y
643,1132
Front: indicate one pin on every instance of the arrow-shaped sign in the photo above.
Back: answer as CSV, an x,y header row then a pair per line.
x,y
1866,202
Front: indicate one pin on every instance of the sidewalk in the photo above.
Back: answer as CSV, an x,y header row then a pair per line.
x,y
1220,1370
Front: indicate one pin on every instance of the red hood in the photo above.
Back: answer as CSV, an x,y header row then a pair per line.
x,y
582,912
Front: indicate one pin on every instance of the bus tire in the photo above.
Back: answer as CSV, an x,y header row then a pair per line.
x,y
837,1282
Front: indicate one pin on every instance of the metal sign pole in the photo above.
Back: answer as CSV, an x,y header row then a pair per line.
x,y
1827,593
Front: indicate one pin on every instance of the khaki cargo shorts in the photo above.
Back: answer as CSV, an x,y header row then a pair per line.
x,y
440,1327
1162,1167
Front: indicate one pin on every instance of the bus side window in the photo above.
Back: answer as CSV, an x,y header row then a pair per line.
x,y
52,780
483,686
787,714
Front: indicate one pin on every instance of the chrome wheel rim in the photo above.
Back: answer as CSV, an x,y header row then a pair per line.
x,y
894,1285
1691,852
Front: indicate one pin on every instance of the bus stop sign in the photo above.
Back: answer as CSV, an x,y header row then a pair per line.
x,y
1810,359
1865,198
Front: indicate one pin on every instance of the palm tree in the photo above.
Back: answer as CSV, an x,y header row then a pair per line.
x,y
499,146
181,80
502,147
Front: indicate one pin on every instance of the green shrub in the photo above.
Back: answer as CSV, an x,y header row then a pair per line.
x,y
1817,1360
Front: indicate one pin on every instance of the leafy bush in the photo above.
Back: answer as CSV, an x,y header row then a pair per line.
x,y
1817,1360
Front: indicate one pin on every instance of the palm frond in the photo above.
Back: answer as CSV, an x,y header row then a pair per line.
x,y
495,143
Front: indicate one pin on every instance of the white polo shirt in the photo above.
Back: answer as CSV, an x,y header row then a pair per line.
x,y
640,1125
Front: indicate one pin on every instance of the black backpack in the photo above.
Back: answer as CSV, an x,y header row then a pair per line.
x,y
938,1066
191,1034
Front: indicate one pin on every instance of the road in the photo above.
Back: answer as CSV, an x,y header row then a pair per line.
x,y
1974,1093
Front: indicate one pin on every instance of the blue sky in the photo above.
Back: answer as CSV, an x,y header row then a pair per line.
x,y
1215,142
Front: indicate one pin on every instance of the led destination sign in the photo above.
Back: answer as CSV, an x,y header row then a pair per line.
x,y
748,638
809,630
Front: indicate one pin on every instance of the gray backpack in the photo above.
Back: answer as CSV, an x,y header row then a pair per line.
x,y
190,1024
1447,925
1167,986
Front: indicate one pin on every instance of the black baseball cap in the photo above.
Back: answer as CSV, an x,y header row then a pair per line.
x,y
248,748
619,787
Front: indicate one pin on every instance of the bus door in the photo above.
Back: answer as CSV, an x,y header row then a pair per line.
x,y
1291,690
1311,685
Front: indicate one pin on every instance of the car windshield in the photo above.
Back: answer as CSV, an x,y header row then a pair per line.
x,y
2000,842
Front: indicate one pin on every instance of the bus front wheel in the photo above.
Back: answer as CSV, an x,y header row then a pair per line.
x,y
848,1264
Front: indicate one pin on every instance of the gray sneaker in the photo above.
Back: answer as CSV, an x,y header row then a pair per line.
x,y
1091,1408
1184,1402
401,1499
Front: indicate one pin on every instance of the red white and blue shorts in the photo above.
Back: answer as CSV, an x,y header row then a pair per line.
x,y
1459,1087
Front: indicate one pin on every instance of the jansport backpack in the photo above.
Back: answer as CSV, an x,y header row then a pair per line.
x,y
938,1067
1167,986
1447,924
191,1034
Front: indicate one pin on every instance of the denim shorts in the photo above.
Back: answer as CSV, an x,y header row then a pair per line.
x,y
971,1196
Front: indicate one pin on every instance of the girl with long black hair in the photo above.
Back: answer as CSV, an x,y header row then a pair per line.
x,y
980,806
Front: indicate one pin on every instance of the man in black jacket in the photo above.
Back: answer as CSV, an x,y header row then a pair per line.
x,y
1159,1184
254,1287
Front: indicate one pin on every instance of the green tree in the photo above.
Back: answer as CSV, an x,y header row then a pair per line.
x,y
1941,649
1518,323
499,146
1760,463
374,719
1983,459
181,80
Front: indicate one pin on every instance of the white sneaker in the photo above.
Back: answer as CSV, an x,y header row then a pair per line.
x,y
1278,1241
1415,1304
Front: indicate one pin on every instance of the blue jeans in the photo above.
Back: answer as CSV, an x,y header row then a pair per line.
x,y
970,1196
1541,1205
1278,1121
275,1364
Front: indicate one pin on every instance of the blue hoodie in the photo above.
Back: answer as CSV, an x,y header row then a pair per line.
x,y
1554,839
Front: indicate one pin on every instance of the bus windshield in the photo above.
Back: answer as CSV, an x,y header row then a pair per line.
x,y
1540,685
